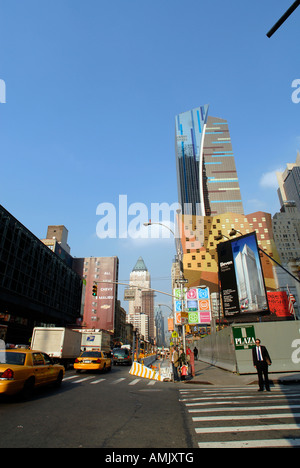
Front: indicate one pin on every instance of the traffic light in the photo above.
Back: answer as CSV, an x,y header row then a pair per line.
x,y
95,290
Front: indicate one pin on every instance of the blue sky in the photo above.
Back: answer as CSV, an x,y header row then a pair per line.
x,y
92,90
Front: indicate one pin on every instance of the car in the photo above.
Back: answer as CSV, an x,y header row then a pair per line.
x,y
92,360
122,356
23,370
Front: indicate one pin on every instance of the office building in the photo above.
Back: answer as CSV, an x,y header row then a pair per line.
x,y
56,240
289,183
37,288
99,310
206,173
143,303
140,322
286,228
159,327
60,234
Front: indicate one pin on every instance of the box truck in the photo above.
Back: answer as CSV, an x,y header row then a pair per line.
x,y
96,340
63,345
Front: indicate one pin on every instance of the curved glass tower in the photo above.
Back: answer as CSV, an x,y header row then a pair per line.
x,y
206,172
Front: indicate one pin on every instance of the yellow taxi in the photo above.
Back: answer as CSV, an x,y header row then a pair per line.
x,y
92,360
22,370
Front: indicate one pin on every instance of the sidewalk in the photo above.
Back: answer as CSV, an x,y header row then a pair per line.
x,y
207,374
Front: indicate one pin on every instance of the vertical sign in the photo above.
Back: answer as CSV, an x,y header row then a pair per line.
x,y
179,307
107,293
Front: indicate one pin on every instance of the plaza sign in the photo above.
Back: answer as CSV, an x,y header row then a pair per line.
x,y
244,337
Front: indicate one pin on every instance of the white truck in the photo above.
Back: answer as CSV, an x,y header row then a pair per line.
x,y
63,345
96,340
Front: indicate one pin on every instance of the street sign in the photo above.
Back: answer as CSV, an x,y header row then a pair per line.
x,y
244,337
129,294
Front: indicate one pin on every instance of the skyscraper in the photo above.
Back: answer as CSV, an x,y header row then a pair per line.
x,y
206,173
289,183
140,279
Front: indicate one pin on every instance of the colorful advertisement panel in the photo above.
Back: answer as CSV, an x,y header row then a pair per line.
x,y
196,306
241,277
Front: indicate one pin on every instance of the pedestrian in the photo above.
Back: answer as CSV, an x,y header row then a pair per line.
x,y
262,361
191,356
183,364
174,356
196,353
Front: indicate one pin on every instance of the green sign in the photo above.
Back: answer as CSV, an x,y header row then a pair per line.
x,y
244,337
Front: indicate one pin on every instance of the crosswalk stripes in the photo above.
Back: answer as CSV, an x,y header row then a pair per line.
x,y
92,380
243,418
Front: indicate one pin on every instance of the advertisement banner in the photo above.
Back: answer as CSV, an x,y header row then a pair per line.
x,y
170,324
195,309
241,277
198,306
278,303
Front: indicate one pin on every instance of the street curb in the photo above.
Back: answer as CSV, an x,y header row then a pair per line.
x,y
272,382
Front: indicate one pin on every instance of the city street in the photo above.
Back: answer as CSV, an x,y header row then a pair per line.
x,y
105,410
117,410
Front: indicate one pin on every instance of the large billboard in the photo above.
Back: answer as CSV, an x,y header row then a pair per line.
x,y
241,277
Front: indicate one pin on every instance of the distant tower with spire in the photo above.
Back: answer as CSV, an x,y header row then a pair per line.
x,y
141,310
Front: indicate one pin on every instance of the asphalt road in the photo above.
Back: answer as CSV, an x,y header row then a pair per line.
x,y
110,410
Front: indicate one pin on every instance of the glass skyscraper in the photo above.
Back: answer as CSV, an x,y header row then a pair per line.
x,y
206,173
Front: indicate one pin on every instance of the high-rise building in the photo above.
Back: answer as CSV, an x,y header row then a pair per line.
x,y
140,279
57,241
286,229
37,288
206,173
159,327
60,234
289,183
99,310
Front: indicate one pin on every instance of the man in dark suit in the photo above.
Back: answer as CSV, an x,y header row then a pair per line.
x,y
262,361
